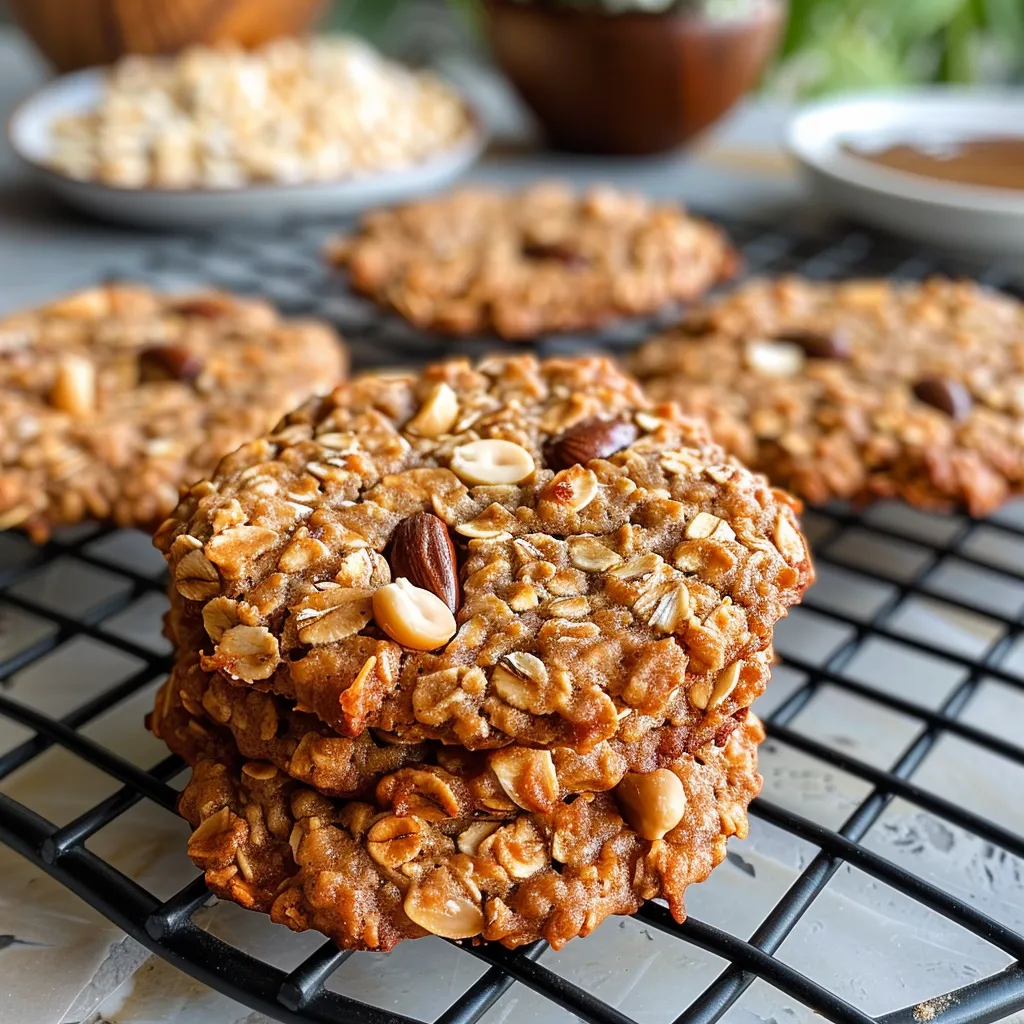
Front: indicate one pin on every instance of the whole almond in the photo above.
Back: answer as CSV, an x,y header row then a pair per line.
x,y
169,362
591,439
948,396
423,553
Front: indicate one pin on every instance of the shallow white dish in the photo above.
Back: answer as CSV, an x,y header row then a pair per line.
x,y
200,209
967,217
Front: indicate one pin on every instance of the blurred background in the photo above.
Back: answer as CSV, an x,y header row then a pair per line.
x,y
828,45
598,78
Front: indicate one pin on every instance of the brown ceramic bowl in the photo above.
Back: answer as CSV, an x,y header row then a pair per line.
x,y
629,83
82,33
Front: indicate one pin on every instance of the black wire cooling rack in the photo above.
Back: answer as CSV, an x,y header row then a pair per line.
x,y
286,266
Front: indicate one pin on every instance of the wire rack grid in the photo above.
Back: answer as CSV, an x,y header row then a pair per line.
x,y
895,715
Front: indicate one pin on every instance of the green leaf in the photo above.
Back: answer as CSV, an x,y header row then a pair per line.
x,y
915,19
799,28
957,61
860,60
1005,19
368,18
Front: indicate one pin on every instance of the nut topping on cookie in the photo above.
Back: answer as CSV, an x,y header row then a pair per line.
x,y
948,396
422,551
394,841
591,439
74,386
412,616
491,461
522,264
817,345
652,802
857,390
438,413
169,362
113,398
527,776
545,608
775,358
575,488
440,905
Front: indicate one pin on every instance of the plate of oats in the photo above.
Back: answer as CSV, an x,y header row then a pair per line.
x,y
297,128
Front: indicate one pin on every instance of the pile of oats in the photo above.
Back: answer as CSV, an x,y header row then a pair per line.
x,y
293,111
472,653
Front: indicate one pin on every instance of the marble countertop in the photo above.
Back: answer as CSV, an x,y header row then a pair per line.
x,y
62,962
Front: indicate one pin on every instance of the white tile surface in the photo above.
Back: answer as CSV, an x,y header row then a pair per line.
x,y
874,947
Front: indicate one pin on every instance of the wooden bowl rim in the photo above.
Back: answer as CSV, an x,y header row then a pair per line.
x,y
765,12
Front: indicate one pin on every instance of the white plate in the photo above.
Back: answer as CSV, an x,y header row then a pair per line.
x,y
970,217
198,209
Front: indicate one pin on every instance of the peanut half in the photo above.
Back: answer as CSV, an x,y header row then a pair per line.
x,y
491,461
653,802
413,617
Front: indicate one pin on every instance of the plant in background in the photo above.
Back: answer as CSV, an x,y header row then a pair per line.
x,y
719,9
832,45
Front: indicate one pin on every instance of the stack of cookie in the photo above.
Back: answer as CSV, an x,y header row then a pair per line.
x,y
471,653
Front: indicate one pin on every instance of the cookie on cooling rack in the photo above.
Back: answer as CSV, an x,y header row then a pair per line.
x,y
113,398
860,389
519,550
426,853
198,713
525,263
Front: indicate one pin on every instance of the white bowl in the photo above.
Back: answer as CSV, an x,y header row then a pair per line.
x,y
964,217
199,209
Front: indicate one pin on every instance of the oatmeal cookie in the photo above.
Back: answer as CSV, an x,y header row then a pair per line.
x,y
525,263
424,855
198,712
113,398
516,551
861,389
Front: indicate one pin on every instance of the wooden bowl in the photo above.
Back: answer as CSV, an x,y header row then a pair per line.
x,y
629,83
82,33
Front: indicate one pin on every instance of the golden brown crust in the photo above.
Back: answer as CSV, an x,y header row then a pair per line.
x,y
524,263
198,712
113,398
861,389
608,598
423,858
